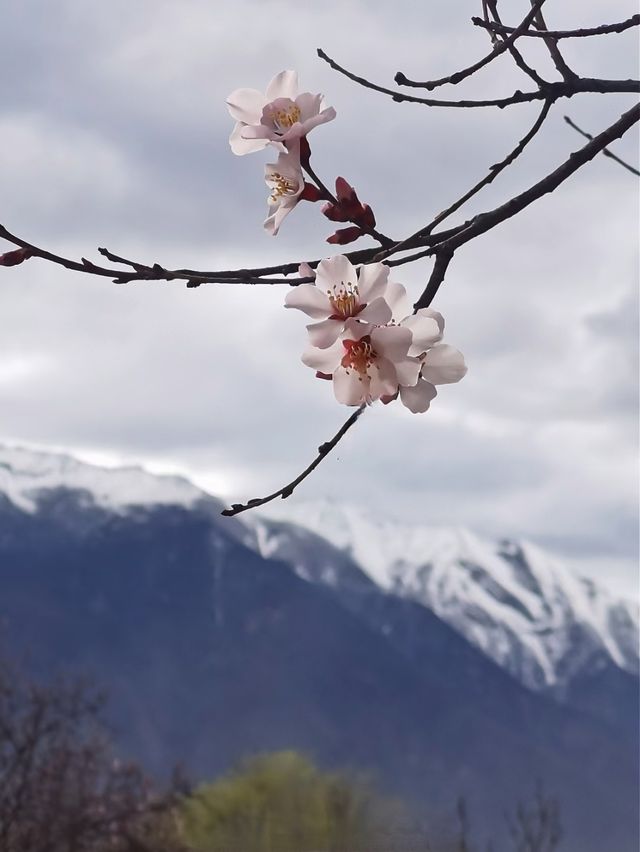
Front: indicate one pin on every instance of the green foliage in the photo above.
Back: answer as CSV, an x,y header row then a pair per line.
x,y
282,803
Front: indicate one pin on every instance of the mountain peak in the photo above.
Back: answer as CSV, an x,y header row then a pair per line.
x,y
519,604
26,473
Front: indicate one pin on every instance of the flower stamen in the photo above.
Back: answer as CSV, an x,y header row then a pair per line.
x,y
345,302
359,355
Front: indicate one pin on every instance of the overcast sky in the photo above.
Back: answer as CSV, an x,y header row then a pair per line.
x,y
115,133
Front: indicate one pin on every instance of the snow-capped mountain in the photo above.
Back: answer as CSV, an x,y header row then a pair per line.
x,y
521,606
26,473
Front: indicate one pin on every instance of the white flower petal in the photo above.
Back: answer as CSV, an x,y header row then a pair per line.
x,y
384,381
283,85
333,271
324,334
398,301
246,105
418,397
372,281
408,371
309,105
436,315
306,271
309,299
277,213
377,312
349,387
391,342
324,360
443,365
425,330
240,145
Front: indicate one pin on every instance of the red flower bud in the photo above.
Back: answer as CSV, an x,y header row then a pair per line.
x,y
13,258
345,235
310,193
366,217
336,214
345,193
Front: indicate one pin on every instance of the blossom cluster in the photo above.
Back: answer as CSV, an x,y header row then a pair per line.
x,y
364,338
366,341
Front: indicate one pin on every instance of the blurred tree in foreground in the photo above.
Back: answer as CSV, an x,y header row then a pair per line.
x,y
61,789
282,803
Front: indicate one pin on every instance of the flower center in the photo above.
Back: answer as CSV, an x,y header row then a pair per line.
x,y
345,302
280,186
284,117
359,355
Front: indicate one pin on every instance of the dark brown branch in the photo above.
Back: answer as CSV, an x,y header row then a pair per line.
x,y
605,151
566,89
443,259
494,171
552,46
499,48
513,50
605,29
287,490
485,221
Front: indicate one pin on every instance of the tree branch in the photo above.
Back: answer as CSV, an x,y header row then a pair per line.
x,y
499,48
604,29
605,151
287,490
552,46
485,221
566,88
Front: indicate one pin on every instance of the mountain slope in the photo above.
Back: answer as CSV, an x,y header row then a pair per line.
x,y
516,603
210,651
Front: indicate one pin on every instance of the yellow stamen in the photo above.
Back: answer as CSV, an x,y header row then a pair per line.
x,y
281,186
346,301
285,118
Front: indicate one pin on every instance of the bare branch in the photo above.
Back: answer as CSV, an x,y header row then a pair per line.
x,y
566,89
494,171
552,46
443,258
604,29
287,490
499,48
605,151
485,221
515,53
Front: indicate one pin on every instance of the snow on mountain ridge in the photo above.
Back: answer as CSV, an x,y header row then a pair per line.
x,y
520,605
24,473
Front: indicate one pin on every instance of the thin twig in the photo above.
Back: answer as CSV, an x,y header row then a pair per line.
x,y
485,221
499,48
605,151
517,57
443,259
552,46
604,29
494,171
287,490
565,88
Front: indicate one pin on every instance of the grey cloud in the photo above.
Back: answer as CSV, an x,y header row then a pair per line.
x,y
116,132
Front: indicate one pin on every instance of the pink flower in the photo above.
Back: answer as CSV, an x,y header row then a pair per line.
x,y
341,293
286,181
276,117
439,363
366,363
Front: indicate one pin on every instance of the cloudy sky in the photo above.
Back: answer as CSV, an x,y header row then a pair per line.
x,y
115,133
